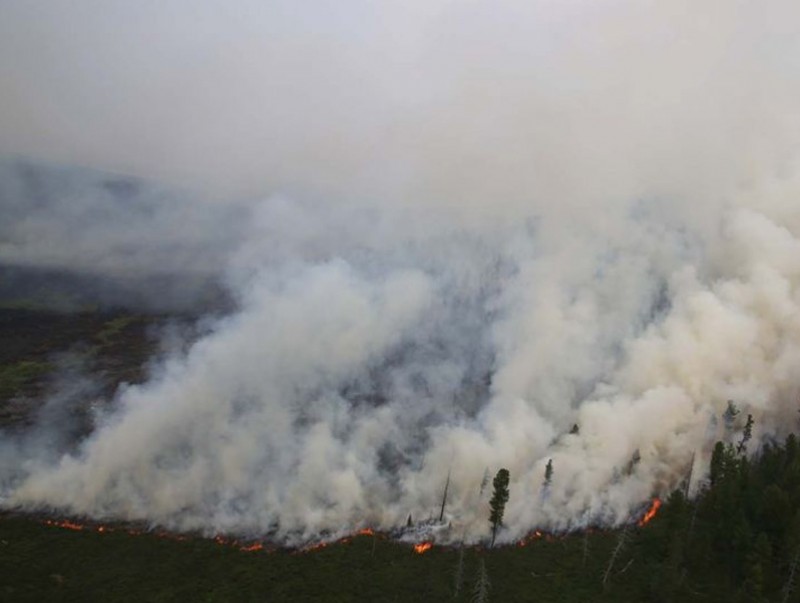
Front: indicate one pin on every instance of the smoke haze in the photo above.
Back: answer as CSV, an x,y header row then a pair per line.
x,y
451,230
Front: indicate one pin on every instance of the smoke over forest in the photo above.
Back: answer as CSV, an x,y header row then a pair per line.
x,y
444,233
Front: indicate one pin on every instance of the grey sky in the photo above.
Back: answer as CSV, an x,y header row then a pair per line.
x,y
440,100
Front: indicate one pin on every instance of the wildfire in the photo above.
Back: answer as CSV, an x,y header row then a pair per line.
x,y
651,512
101,529
530,538
67,525
422,547
315,547
246,547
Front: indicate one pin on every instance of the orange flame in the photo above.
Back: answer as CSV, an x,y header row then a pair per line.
x,y
246,547
422,547
67,525
530,538
313,547
651,512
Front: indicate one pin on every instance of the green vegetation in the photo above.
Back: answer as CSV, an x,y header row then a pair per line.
x,y
14,378
40,563
738,541
113,328
498,502
110,348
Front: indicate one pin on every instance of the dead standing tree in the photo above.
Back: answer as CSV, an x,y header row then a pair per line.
x,y
621,541
459,573
444,496
480,593
788,588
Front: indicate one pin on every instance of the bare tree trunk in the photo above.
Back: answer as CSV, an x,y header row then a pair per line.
x,y
585,547
459,575
480,593
690,531
689,479
444,496
788,588
617,549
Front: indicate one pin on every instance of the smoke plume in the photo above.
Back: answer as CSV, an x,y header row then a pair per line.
x,y
459,229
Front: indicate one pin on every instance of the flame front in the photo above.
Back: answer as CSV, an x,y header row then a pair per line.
x,y
530,538
422,547
651,512
67,525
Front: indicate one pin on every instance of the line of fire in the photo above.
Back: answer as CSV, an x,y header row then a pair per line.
x,y
258,546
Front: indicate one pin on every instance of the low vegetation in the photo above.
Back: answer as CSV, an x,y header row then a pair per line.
x,y
737,540
16,377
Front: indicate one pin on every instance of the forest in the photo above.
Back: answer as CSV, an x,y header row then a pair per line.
x,y
736,540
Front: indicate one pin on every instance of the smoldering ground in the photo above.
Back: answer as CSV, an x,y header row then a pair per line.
x,y
461,228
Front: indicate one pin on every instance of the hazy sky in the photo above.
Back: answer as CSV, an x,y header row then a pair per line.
x,y
439,99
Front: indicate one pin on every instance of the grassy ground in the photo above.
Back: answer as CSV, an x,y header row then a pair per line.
x,y
41,563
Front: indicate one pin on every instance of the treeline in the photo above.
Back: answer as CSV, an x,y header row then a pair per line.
x,y
739,539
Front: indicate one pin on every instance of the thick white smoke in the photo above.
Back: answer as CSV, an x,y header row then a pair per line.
x,y
484,223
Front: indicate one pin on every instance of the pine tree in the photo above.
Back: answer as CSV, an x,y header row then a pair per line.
x,y
746,435
498,502
717,463
484,481
730,414
635,460
548,473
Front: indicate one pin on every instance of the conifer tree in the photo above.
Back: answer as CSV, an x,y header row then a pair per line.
x,y
730,414
498,502
548,473
746,435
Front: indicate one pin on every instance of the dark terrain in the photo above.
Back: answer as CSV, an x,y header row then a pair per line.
x,y
38,347
738,540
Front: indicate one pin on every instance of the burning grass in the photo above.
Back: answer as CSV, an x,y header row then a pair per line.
x,y
255,546
115,562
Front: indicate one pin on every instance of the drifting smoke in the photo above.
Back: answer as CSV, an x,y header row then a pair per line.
x,y
483,224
